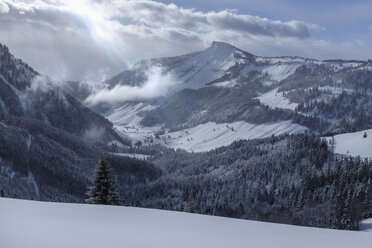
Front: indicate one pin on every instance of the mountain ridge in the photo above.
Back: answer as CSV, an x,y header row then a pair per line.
x,y
229,85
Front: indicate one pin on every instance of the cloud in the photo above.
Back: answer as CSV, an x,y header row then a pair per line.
x,y
41,83
86,36
157,84
253,25
94,134
82,38
4,8
370,27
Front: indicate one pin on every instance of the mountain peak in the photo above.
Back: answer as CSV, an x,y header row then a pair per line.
x,y
222,44
227,48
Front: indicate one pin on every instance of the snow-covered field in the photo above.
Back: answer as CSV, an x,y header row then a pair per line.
x,y
131,155
353,144
366,225
275,99
206,137
201,138
31,224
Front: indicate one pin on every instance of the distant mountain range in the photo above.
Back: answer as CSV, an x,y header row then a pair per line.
x,y
225,86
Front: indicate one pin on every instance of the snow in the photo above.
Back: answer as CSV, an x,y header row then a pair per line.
x,y
206,66
126,121
62,225
115,142
344,65
206,137
131,155
279,72
3,107
127,115
226,84
31,180
336,90
275,99
353,144
197,69
366,225
28,142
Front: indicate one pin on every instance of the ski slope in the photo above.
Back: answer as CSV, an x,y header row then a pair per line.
x,y
208,136
61,225
353,144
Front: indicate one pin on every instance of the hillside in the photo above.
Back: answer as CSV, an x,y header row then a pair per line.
x,y
354,144
225,85
25,93
60,225
49,141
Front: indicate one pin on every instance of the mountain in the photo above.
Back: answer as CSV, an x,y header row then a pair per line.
x,y
225,86
192,70
25,93
49,141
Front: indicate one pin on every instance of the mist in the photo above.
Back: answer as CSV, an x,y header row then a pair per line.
x,y
157,84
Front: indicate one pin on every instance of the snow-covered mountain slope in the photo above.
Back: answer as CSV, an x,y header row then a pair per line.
x,y
275,99
354,144
203,137
128,114
224,84
25,93
206,137
192,70
127,118
222,62
61,225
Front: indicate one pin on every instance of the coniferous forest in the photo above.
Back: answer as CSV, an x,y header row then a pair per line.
x,y
289,179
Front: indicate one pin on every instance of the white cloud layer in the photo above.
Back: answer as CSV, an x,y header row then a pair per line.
x,y
4,8
156,85
71,39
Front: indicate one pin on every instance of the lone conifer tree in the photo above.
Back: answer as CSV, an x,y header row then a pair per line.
x,y
104,190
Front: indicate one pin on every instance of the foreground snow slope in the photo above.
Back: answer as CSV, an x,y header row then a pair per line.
x,y
353,144
41,224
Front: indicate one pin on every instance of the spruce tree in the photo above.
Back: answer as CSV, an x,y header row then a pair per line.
x,y
104,190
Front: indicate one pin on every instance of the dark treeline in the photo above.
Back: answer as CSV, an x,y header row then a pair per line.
x,y
352,110
289,179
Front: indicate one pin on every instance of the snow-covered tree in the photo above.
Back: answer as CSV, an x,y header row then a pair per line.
x,y
104,190
332,144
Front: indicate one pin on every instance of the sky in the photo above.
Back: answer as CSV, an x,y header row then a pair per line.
x,y
96,39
